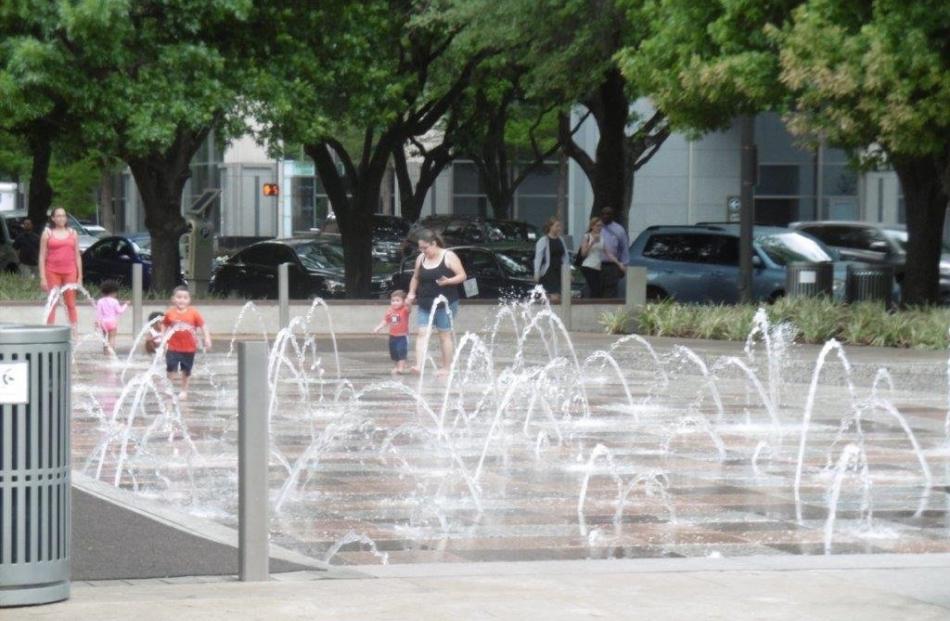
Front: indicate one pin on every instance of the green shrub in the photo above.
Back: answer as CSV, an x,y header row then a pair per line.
x,y
815,320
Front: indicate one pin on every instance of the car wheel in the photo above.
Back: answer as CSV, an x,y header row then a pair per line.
x,y
12,268
655,294
776,296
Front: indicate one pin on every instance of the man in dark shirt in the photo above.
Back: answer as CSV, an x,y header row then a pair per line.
x,y
27,245
616,253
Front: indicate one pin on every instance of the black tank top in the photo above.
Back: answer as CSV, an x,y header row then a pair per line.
x,y
429,289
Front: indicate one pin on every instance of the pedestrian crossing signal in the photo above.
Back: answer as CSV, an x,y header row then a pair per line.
x,y
271,189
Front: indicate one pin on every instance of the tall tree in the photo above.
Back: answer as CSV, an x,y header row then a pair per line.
x,y
172,71
570,47
855,74
875,77
37,87
358,68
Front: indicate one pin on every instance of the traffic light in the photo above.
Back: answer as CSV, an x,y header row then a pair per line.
x,y
271,189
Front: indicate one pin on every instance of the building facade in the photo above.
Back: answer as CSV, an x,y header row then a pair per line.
x,y
687,181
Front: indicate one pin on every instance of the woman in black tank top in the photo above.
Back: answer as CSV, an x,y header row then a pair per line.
x,y
438,272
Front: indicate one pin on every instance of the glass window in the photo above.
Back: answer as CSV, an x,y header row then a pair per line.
x,y
256,255
839,180
783,248
470,206
104,250
517,263
542,180
684,247
465,179
778,179
320,256
479,263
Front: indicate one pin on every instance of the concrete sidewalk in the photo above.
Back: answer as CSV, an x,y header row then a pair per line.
x,y
847,587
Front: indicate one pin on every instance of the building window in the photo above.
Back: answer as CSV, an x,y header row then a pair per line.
x,y
469,198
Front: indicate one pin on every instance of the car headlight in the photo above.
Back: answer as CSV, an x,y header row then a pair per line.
x,y
335,286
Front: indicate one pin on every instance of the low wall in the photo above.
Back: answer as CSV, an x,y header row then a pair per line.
x,y
346,316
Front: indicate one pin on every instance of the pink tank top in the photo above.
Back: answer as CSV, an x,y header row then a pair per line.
x,y
61,253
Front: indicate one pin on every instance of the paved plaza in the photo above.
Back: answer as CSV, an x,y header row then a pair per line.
x,y
548,476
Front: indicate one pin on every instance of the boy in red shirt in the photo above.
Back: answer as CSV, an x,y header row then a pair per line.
x,y
397,318
185,322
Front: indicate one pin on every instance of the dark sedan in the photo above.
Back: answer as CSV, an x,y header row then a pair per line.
x,y
316,269
112,258
500,274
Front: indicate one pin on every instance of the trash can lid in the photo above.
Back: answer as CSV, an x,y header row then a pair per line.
x,y
18,334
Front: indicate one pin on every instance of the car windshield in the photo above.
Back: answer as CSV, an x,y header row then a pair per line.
x,y
320,256
390,229
517,263
143,246
784,248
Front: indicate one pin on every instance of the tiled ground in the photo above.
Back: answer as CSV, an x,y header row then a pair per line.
x,y
491,464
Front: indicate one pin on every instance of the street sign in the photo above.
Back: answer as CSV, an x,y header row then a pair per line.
x,y
293,168
733,207
14,383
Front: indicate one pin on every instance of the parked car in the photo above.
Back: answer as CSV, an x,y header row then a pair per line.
x,y
701,263
515,230
389,233
873,243
9,262
316,269
500,273
15,218
112,258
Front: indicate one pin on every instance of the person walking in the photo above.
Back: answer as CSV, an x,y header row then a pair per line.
x,y
27,246
592,256
438,272
60,263
550,253
616,254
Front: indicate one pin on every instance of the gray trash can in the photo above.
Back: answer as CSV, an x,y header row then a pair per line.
x,y
34,464
870,283
803,280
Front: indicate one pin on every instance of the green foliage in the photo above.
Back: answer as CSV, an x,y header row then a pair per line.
x,y
865,73
815,320
74,185
617,322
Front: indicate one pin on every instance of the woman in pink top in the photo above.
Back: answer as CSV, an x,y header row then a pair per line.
x,y
60,263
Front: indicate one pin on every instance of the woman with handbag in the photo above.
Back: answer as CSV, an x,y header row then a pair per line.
x,y
589,257
550,253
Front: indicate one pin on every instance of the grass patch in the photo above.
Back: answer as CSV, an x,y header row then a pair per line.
x,y
815,320
14,287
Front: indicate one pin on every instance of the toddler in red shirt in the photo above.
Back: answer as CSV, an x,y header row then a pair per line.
x,y
185,321
397,318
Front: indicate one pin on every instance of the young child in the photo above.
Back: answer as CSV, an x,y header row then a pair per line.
x,y
108,309
154,339
184,321
397,318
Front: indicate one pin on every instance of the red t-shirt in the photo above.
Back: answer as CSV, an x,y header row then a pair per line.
x,y
398,321
183,340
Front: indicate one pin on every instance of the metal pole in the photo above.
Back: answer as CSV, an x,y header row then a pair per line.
x,y
137,313
283,293
253,452
566,301
747,207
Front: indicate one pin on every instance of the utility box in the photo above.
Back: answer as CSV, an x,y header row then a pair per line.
x,y
35,513
198,244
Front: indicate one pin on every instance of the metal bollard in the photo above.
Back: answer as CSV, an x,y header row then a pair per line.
x,y
253,453
566,300
636,287
35,513
283,294
137,312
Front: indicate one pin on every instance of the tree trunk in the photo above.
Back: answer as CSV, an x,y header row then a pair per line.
x,y
41,193
160,184
926,201
106,204
353,208
611,109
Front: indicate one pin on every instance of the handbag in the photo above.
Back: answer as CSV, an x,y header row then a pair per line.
x,y
578,257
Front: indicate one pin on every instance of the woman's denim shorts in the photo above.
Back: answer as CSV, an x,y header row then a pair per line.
x,y
442,322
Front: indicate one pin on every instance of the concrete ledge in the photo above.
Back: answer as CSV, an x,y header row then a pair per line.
x,y
346,317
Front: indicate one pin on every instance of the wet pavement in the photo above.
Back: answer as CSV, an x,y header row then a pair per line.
x,y
539,448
